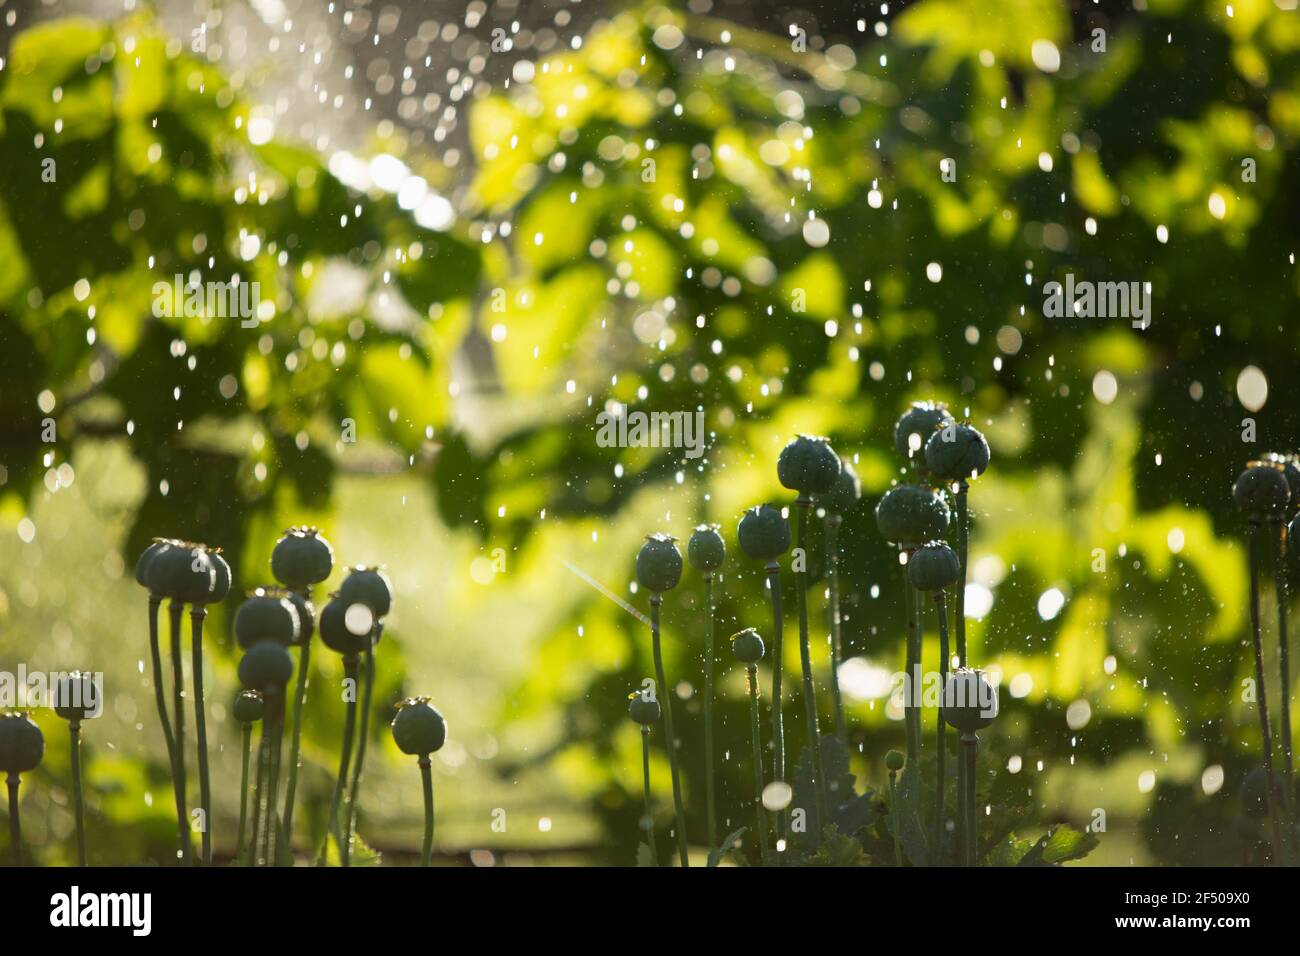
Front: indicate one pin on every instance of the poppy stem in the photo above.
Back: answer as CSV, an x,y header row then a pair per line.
x,y
778,723
963,544
295,733
262,746
837,651
970,847
1284,662
197,613
665,697
942,736
911,713
710,794
345,757
15,828
893,812
426,774
243,791
160,699
275,715
1265,729
175,609
361,749
74,742
803,505
756,744
649,804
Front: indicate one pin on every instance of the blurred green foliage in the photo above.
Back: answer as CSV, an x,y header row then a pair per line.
x,y
759,232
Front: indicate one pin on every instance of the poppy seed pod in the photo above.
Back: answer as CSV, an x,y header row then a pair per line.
x,y
1261,491
369,586
909,515
334,631
306,615
808,465
957,452
267,615
248,707
658,564
915,426
184,572
418,728
645,711
301,558
21,744
1253,794
222,570
265,666
970,701
706,550
894,761
933,566
844,497
142,565
747,646
763,533
77,696
1290,465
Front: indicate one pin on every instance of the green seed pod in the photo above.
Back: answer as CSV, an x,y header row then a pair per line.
x,y
644,712
747,646
142,566
418,728
1261,491
306,616
78,696
301,558
658,564
970,701
265,666
248,707
334,631
915,426
21,744
1290,465
763,533
933,567
184,572
706,550
267,615
909,515
808,465
222,570
957,452
369,586
1253,794
894,761
844,498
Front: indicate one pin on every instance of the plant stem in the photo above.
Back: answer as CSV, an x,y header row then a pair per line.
x,y
665,697
275,715
837,650
970,847
345,756
295,733
709,795
778,723
361,752
963,544
74,749
649,804
426,774
1265,731
911,713
803,505
262,746
175,608
941,607
160,699
197,613
243,791
1284,662
893,812
756,744
15,828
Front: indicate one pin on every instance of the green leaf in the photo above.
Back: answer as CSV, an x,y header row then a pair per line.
x,y
1058,845
911,833
732,840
